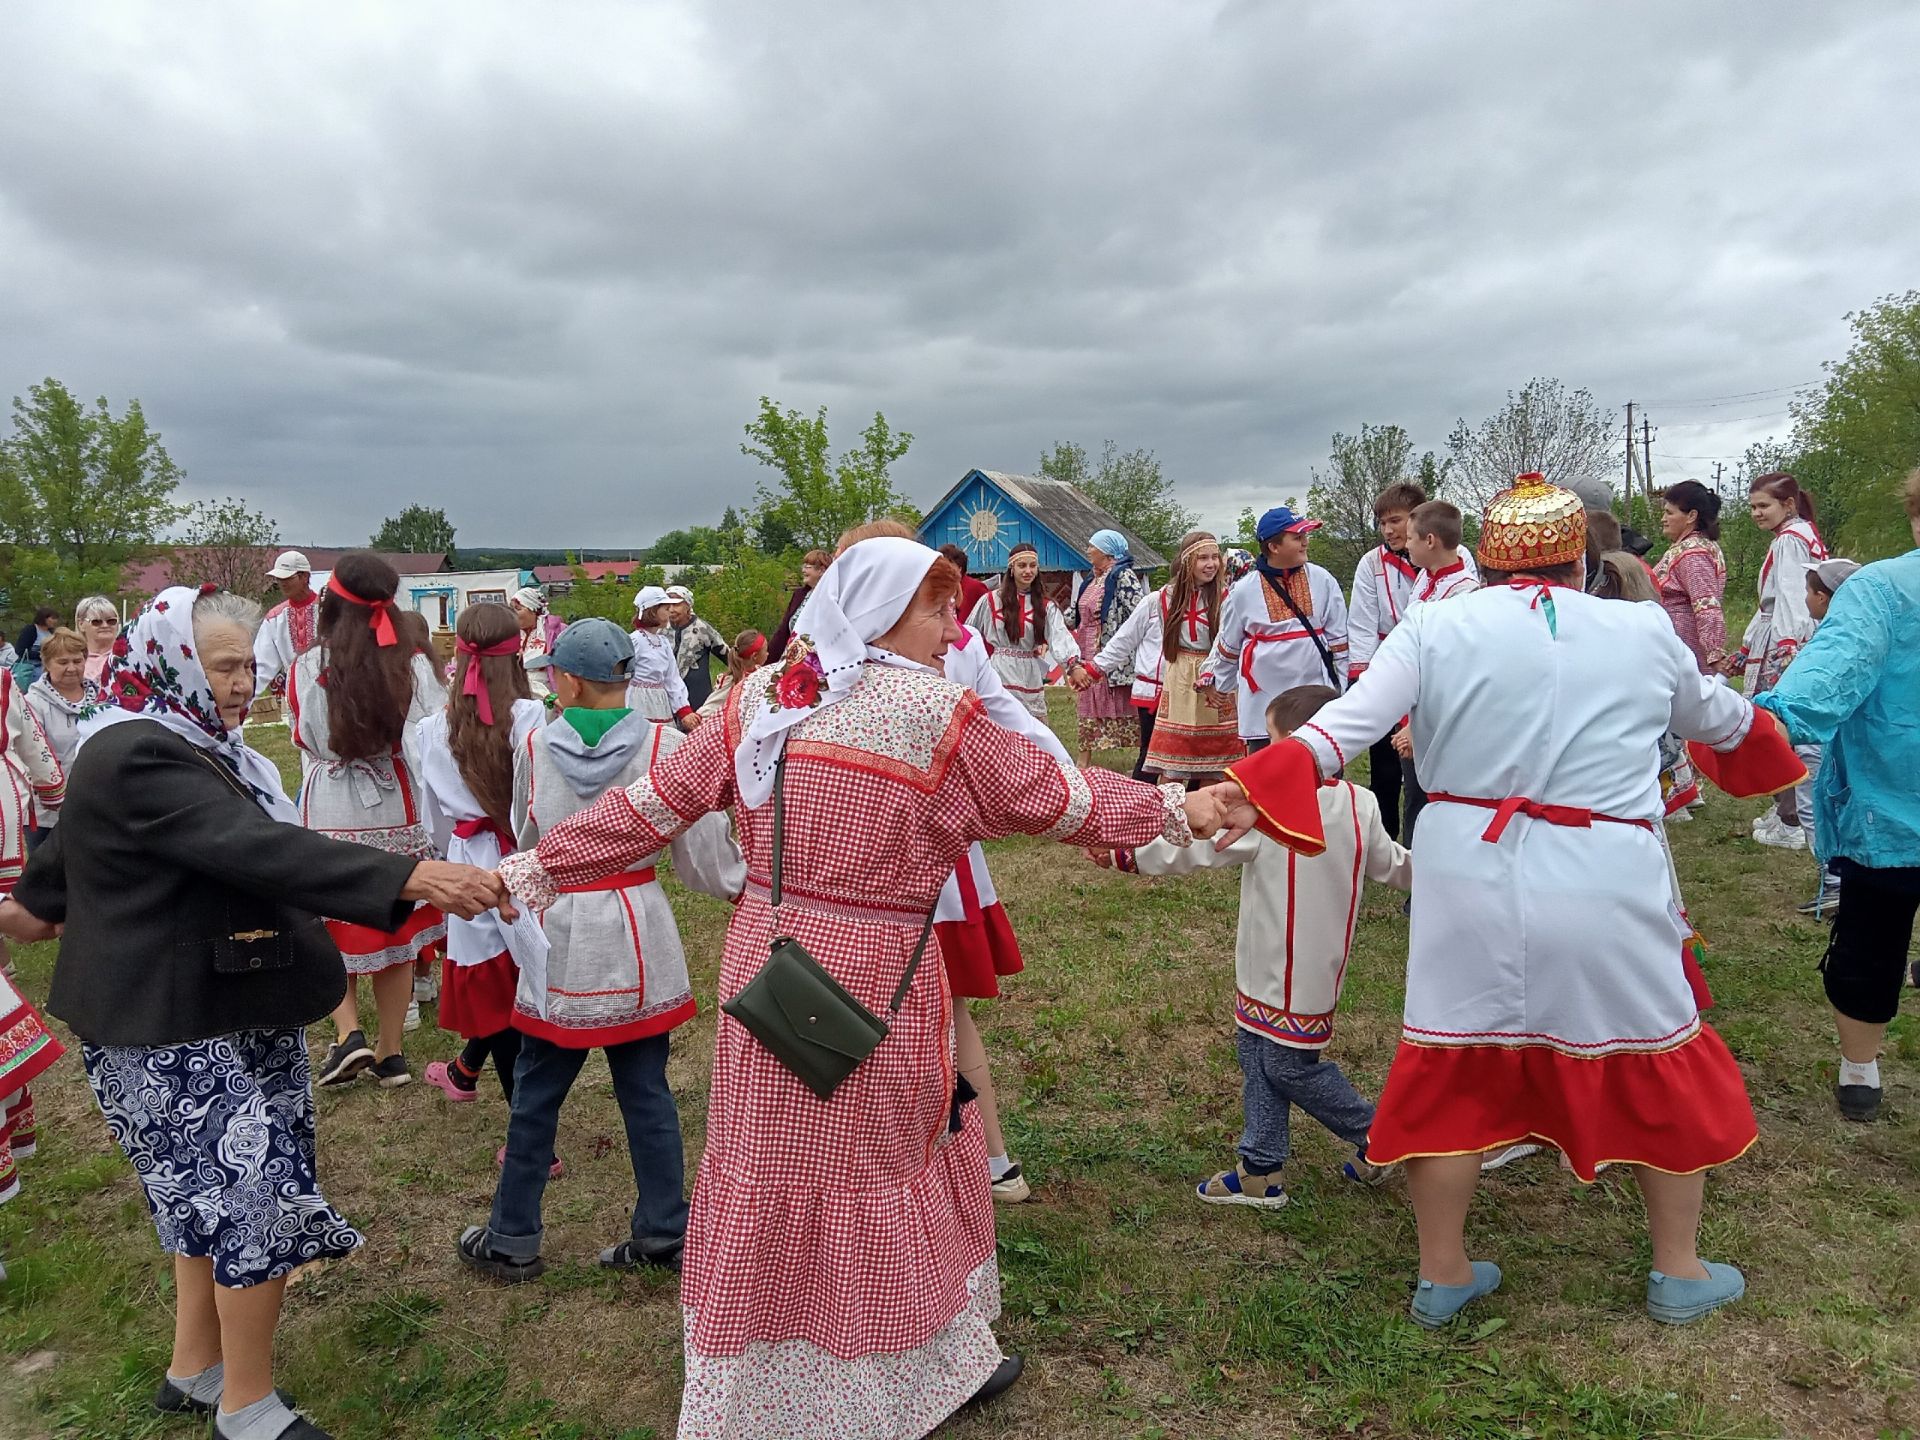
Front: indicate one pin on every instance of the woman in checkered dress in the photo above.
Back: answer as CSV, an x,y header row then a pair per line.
x,y
839,1270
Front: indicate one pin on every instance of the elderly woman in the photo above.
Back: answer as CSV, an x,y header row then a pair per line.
x,y
192,959
811,569
839,1274
539,628
97,619
1107,718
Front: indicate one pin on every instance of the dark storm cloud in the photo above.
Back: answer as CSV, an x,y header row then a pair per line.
x,y
536,266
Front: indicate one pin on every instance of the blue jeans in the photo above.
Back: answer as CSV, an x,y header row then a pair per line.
x,y
541,1080
1275,1077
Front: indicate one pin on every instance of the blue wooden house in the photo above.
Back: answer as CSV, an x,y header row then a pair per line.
x,y
990,512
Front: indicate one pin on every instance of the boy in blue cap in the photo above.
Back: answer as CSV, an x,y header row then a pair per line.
x,y
1282,625
615,977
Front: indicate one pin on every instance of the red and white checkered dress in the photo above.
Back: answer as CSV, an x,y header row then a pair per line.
x,y
839,1274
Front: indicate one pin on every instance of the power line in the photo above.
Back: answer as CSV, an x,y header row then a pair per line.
x,y
1726,420
1727,399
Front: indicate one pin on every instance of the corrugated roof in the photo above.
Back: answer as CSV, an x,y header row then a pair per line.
x,y
1069,512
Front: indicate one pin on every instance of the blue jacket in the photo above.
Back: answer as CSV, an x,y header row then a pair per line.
x,y
1855,688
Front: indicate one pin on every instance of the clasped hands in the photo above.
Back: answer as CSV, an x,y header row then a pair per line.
x,y
463,890
1220,812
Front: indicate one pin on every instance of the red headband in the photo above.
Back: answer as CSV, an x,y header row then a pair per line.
x,y
475,684
758,647
380,622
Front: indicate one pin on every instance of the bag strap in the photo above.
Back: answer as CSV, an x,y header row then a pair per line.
x,y
906,980
774,888
1326,655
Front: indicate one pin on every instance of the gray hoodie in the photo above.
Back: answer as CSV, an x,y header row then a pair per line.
x,y
589,769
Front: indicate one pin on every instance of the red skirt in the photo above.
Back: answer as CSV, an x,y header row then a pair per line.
x,y
367,951
1681,1110
979,949
477,1000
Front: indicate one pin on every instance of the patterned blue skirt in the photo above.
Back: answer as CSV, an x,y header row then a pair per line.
x,y
220,1133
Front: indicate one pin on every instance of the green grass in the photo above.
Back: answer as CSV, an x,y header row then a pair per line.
x,y
1143,1313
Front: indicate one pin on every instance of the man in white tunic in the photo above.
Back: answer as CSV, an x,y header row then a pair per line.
x,y
1281,626
1547,1000
289,630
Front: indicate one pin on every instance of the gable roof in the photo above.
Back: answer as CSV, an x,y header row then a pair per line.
x,y
1066,510
596,570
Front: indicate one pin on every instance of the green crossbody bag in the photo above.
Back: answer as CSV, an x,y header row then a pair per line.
x,y
804,1017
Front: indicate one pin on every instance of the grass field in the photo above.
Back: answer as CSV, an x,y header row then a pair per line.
x,y
1143,1313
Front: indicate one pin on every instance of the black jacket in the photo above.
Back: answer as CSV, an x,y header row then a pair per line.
x,y
189,911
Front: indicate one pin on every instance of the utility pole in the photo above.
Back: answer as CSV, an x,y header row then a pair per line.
x,y
1646,448
1718,471
1626,488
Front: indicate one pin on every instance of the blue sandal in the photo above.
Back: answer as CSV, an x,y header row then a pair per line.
x,y
1436,1305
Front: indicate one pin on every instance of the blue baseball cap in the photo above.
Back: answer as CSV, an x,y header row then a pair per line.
x,y
1282,521
592,649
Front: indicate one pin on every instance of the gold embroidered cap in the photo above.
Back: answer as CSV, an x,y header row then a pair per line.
x,y
1532,524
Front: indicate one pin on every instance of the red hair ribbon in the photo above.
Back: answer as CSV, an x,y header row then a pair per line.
x,y
758,647
380,622
475,684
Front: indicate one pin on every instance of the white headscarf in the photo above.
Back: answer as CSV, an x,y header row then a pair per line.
x,y
860,598
155,675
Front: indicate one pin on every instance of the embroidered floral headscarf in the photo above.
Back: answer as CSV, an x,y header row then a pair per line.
x,y
155,674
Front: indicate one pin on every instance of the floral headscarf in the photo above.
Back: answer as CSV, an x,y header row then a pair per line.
x,y
155,674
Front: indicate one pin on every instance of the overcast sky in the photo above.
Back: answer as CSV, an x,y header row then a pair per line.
x,y
536,263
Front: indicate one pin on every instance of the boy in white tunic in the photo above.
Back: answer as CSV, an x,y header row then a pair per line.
x,y
1536,714
1283,625
615,975
1382,589
1297,917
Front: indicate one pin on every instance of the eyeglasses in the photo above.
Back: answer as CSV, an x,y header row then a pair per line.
x,y
103,620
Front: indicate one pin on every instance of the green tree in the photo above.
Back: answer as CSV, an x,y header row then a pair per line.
x,y
220,544
817,495
1564,435
695,545
1856,438
82,491
748,592
609,598
416,530
1359,467
1128,485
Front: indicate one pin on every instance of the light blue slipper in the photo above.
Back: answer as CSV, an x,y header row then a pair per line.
x,y
1434,1305
1673,1301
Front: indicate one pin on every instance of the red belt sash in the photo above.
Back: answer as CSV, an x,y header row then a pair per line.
x,y
625,880
1572,816
485,825
1267,638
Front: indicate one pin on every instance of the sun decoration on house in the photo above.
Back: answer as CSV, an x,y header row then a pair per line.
x,y
977,530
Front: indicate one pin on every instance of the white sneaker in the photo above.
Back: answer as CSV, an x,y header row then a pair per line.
x,y
1776,832
426,987
413,1016
1508,1156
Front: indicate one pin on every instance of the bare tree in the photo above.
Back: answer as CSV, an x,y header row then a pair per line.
x,y
220,545
1566,436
